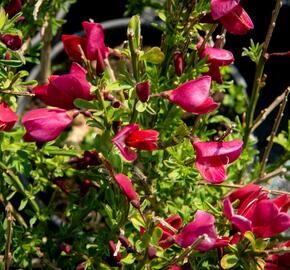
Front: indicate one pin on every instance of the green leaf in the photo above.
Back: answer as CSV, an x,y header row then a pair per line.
x,y
250,236
22,204
140,106
84,104
2,17
129,259
134,31
228,261
154,56
11,63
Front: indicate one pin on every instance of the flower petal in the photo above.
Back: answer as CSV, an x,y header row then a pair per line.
x,y
237,22
126,186
191,94
207,106
220,8
213,172
202,224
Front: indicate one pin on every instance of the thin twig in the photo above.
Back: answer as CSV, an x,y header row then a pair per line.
x,y
273,133
278,172
16,93
265,112
15,214
9,231
235,186
45,54
257,85
186,252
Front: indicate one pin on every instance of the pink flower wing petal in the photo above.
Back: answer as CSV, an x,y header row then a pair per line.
x,y
219,8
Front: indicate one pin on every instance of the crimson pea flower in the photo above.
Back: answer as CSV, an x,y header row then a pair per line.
x,y
256,213
203,224
115,256
193,96
279,261
212,157
216,58
132,137
43,125
13,42
13,7
126,186
233,17
92,44
61,91
167,237
8,118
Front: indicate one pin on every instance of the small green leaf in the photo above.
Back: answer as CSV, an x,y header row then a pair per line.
x,y
140,106
228,261
84,104
11,63
129,259
134,31
154,56
2,17
22,204
250,236
157,233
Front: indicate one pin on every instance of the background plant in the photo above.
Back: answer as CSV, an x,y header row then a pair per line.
x,y
64,205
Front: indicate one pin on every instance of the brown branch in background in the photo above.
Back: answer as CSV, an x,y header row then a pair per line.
x,y
273,133
278,172
45,54
265,112
9,232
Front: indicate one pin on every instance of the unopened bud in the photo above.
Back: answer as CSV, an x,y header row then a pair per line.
x,y
178,63
143,91
13,42
65,248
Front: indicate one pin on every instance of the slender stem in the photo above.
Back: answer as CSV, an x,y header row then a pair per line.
x,y
257,85
226,133
16,93
273,133
103,106
17,184
69,153
234,186
15,214
186,252
9,231
264,113
45,54
277,172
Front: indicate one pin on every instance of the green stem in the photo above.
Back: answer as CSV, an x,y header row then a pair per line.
x,y
103,106
7,255
257,84
19,186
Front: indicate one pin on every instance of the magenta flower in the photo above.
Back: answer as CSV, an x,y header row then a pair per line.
x,y
132,137
217,58
8,118
233,17
167,238
256,213
203,224
143,91
193,96
61,91
92,43
279,261
126,186
43,125
13,7
13,42
212,157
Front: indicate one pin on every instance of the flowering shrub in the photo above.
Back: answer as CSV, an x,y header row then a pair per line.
x,y
135,158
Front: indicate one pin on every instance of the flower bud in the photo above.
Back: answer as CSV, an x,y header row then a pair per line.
x,y
13,42
65,248
100,65
151,253
13,7
143,91
178,63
